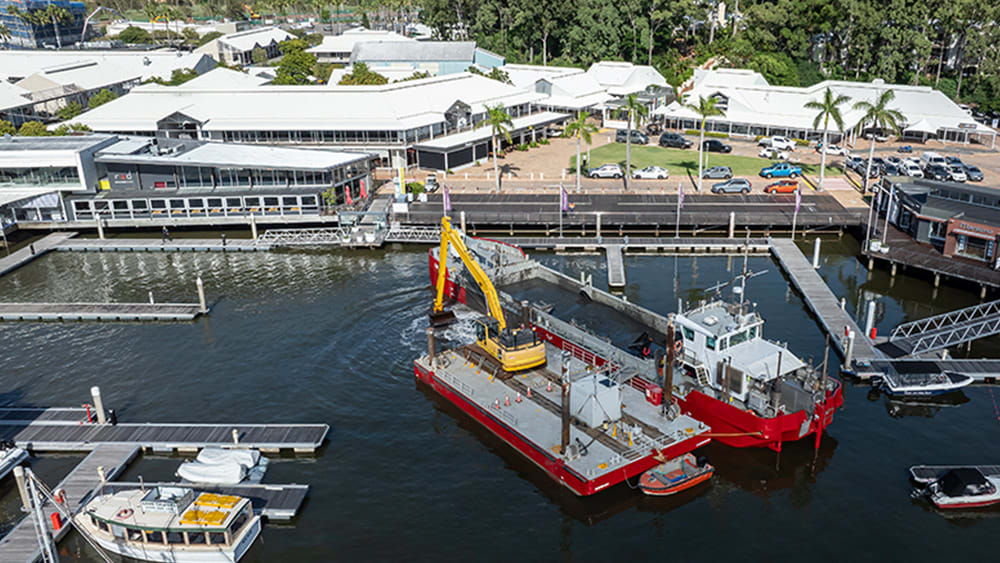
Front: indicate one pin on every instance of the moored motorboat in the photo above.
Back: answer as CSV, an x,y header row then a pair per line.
x,y
218,466
923,384
176,524
957,487
675,475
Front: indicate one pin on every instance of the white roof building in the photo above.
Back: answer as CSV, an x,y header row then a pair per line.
x,y
621,78
385,120
237,48
565,88
754,107
15,65
338,48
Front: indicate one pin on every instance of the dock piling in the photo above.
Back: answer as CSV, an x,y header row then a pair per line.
x,y
816,254
732,224
201,295
253,227
100,228
430,346
461,215
22,489
95,393
151,300
598,225
236,437
843,303
849,353
870,318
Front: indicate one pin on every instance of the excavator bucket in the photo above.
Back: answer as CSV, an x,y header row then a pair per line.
x,y
442,318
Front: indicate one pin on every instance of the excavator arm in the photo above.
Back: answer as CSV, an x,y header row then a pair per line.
x,y
450,236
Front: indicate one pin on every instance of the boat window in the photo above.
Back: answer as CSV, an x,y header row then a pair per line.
x,y
753,331
738,338
175,537
102,525
196,538
688,333
723,344
216,537
154,537
238,522
710,342
134,535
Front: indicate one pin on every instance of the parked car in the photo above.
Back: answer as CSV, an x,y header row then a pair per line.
x,y
929,158
912,169
715,145
879,136
877,161
776,142
936,172
894,160
956,173
772,153
853,163
833,149
651,173
781,170
973,173
953,161
673,140
606,171
732,186
890,169
638,137
782,187
717,172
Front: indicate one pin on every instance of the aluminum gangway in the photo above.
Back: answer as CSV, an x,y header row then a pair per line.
x,y
324,236
944,330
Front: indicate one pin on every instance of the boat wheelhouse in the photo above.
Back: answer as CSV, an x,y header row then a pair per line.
x,y
171,524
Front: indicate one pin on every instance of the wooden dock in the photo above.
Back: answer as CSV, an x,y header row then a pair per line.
x,y
21,257
616,265
276,502
100,311
21,544
821,300
47,430
159,245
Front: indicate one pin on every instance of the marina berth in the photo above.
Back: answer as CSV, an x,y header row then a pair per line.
x,y
175,524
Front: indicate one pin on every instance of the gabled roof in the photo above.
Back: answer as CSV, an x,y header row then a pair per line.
x,y
422,51
145,64
621,78
253,38
345,42
222,78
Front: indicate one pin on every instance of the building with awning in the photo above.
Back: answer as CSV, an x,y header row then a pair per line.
x,y
752,107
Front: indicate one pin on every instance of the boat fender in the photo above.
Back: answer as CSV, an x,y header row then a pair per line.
x,y
124,513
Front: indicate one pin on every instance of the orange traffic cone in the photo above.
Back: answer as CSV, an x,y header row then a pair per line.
x,y
529,392
506,400
496,404
549,386
518,398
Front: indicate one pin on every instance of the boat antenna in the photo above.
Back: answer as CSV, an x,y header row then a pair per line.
x,y
743,278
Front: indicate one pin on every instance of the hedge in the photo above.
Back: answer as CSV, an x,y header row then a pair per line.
x,y
707,133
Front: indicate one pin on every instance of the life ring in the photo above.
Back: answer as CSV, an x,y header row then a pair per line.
x,y
124,513
678,347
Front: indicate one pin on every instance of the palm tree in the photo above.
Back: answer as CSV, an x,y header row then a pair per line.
x,y
636,113
500,123
581,129
5,34
56,15
878,116
828,109
705,108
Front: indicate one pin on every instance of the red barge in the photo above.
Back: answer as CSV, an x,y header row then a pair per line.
x,y
751,391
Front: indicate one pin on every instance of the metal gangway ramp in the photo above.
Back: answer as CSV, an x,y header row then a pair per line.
x,y
944,330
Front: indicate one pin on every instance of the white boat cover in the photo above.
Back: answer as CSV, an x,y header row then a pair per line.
x,y
246,458
227,473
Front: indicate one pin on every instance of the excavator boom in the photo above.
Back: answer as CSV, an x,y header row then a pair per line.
x,y
451,237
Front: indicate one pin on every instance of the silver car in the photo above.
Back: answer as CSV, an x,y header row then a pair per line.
x,y
718,173
606,171
651,173
733,186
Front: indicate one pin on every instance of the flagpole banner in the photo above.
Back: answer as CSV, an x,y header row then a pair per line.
x,y
563,199
447,200
798,200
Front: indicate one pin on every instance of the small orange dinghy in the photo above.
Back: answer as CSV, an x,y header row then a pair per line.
x,y
675,475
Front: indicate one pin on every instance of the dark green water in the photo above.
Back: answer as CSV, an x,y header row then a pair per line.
x,y
329,337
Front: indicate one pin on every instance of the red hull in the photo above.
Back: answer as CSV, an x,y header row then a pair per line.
x,y
553,466
452,290
966,505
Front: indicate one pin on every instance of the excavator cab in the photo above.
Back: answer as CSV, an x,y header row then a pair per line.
x,y
515,348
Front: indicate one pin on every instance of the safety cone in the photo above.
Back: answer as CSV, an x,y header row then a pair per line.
x,y
506,400
496,404
549,386
518,398
529,392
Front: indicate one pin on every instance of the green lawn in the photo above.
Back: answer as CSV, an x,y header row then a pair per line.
x,y
681,161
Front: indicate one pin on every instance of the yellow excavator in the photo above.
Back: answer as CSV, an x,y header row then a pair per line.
x,y
516,349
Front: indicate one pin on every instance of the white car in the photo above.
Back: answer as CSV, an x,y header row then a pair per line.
x,y
878,135
606,171
772,153
834,149
911,169
957,173
651,173
776,142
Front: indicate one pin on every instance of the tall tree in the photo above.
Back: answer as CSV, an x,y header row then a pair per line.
x,y
5,34
828,108
500,124
706,107
581,130
635,113
879,117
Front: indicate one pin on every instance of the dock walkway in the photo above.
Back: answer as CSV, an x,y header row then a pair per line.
x,y
21,257
616,266
68,430
821,300
100,311
159,245
21,544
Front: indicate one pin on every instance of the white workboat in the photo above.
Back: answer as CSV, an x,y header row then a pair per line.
x,y
961,487
923,384
218,466
175,524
